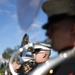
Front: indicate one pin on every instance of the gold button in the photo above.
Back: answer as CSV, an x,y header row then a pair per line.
x,y
51,71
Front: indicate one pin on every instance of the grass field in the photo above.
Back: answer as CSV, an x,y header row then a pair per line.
x,y
3,69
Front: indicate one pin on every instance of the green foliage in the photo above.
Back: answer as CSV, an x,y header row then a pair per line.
x,y
3,69
7,53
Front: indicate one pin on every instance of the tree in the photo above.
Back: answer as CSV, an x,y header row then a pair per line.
x,y
7,53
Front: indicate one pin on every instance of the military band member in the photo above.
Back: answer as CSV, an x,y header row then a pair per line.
x,y
60,28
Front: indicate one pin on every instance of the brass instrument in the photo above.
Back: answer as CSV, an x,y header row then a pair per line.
x,y
26,67
28,63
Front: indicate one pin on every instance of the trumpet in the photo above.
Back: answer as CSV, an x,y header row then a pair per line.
x,y
52,63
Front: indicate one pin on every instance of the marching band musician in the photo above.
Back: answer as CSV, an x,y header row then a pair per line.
x,y
61,30
41,54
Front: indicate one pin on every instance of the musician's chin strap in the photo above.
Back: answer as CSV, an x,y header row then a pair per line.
x,y
51,63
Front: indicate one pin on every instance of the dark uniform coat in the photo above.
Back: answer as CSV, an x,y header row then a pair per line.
x,y
65,68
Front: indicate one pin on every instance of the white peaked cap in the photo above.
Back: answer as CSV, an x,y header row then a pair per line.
x,y
41,46
38,46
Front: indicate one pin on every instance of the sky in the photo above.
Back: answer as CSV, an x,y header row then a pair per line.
x,y
11,30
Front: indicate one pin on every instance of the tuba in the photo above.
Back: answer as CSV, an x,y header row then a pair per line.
x,y
27,62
